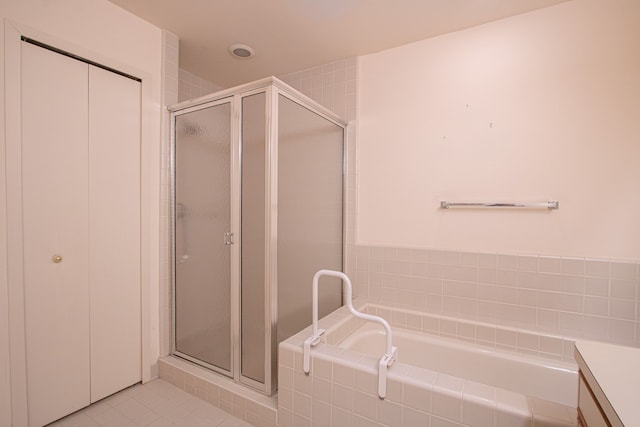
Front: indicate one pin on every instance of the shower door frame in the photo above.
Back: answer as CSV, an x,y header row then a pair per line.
x,y
272,87
234,210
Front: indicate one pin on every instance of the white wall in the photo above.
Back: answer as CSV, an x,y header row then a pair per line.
x,y
102,32
541,106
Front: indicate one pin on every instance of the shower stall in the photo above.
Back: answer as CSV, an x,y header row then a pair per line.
x,y
257,209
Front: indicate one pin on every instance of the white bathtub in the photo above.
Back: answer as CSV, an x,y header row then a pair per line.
x,y
546,379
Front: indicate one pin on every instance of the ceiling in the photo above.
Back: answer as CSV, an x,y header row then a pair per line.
x,y
292,35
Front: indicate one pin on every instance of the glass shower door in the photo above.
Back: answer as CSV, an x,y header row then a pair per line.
x,y
202,244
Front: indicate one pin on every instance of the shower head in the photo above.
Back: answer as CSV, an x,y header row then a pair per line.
x,y
192,129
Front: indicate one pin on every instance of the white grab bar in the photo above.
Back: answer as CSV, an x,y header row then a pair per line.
x,y
387,358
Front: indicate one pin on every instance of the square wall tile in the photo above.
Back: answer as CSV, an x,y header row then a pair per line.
x,y
623,271
550,265
527,263
447,405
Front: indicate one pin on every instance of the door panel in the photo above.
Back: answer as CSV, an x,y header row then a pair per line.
x,y
253,237
81,229
114,224
55,222
310,165
202,218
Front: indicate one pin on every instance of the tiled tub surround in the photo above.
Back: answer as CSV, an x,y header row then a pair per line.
x,y
595,299
512,339
341,389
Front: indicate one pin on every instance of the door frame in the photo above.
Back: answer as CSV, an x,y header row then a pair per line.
x,y
150,213
234,211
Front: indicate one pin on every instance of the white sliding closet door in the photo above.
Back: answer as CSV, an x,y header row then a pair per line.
x,y
81,232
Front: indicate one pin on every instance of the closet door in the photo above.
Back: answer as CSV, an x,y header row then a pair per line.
x,y
114,231
81,231
55,224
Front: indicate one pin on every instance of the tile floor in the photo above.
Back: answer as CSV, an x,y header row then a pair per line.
x,y
155,404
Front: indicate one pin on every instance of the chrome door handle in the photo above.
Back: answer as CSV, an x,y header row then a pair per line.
x,y
228,239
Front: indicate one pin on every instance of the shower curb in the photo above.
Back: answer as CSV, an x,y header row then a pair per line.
x,y
235,399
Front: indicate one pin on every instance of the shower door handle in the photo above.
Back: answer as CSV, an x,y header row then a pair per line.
x,y
228,239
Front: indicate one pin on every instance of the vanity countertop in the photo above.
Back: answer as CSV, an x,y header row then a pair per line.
x,y
613,373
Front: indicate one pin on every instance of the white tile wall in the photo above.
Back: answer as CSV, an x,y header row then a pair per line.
x,y
191,86
332,85
580,298
170,67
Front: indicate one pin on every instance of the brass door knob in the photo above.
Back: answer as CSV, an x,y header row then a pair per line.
x,y
56,258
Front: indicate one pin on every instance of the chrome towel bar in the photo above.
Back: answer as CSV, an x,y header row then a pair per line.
x,y
547,205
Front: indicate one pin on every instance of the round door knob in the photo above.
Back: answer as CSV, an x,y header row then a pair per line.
x,y
56,258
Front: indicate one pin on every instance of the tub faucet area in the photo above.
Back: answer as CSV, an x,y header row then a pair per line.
x,y
387,358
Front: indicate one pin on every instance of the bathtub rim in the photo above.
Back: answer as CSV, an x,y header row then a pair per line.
x,y
339,323
369,328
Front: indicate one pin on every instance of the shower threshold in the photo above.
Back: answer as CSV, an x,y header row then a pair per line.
x,y
236,399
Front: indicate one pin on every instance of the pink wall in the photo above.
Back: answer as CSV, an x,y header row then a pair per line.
x,y
541,106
